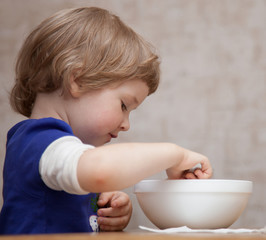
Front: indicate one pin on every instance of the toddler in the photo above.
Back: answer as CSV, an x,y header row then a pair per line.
x,y
79,74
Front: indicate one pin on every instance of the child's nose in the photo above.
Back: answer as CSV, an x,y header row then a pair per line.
x,y
125,125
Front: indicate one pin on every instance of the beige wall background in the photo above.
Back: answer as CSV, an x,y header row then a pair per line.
x,y
212,97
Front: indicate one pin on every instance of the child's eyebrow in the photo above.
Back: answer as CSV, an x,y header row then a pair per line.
x,y
135,100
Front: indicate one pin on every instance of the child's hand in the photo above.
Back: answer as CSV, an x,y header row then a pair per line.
x,y
114,212
191,159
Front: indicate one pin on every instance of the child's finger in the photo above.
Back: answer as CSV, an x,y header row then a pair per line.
x,y
190,175
201,174
104,199
112,224
119,199
113,212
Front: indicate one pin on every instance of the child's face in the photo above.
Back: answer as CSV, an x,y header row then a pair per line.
x,y
98,116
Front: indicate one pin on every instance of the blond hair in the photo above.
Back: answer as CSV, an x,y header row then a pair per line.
x,y
90,43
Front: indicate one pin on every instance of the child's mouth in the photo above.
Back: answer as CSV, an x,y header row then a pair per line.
x,y
113,136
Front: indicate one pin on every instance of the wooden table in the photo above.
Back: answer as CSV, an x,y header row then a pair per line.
x,y
138,236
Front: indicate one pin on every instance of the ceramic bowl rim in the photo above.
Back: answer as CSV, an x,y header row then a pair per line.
x,y
194,185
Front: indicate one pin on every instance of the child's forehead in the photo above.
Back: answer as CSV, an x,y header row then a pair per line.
x,y
135,89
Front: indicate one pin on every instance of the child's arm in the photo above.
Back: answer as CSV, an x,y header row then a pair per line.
x,y
117,166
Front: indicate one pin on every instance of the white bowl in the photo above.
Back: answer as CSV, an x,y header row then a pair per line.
x,y
198,204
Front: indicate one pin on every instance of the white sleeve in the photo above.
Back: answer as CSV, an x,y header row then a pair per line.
x,y
58,164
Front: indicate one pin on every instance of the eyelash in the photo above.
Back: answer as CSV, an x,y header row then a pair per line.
x,y
123,106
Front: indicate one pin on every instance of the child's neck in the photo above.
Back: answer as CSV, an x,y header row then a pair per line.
x,y
49,105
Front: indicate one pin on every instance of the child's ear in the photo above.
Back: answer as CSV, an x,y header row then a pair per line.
x,y
74,87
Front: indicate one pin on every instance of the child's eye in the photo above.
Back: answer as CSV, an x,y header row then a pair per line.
x,y
123,106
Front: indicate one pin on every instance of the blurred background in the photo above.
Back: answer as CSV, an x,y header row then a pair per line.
x,y
212,97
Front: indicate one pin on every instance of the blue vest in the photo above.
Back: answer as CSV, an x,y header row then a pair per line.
x,y
30,207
